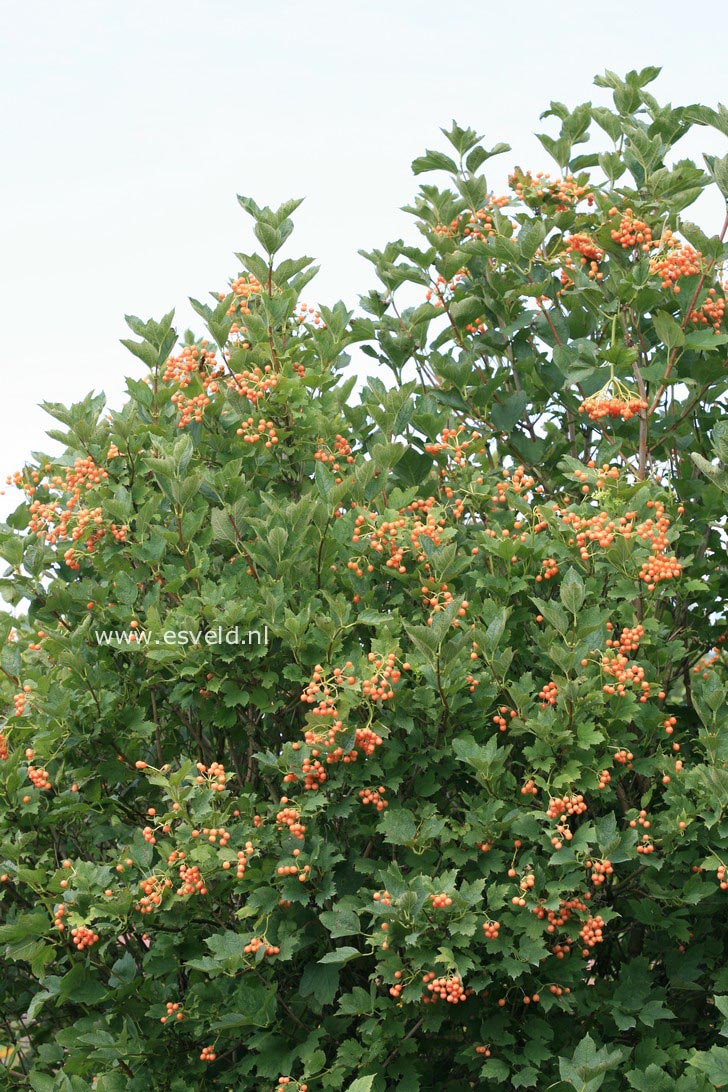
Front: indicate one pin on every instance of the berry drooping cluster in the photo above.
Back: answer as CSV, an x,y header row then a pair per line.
x,y
290,818
712,310
540,189
214,776
39,777
449,988
257,943
612,401
676,260
83,937
631,232
56,508
375,797
153,890
174,1011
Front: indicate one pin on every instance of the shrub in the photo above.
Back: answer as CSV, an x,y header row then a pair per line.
x,y
452,813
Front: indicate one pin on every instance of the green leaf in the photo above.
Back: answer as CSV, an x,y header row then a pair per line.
x,y
434,161
653,1079
667,330
341,955
269,237
572,591
718,172
340,922
398,826
227,945
713,1062
362,1084
588,1067
506,414
41,1082
319,982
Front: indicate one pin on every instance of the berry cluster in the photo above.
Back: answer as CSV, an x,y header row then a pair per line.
x,y
174,1010
550,570
627,675
660,566
290,817
678,260
539,189
631,232
190,407
590,252
254,945
214,776
396,989
456,446
313,773
499,717
561,807
592,932
558,918
242,858
712,310
548,694
379,686
629,639
603,405
39,777
600,871
83,937
255,383
341,451
304,313
442,290
214,835
252,431
449,989
193,360
153,889
245,288
641,820
375,797
191,882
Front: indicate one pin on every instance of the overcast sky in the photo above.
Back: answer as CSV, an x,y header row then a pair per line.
x,y
129,128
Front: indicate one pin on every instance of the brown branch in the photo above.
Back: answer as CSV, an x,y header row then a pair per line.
x,y
413,1031
157,733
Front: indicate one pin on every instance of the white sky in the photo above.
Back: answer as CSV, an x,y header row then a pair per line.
x,y
128,129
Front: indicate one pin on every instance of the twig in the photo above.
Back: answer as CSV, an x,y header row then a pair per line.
x,y
413,1031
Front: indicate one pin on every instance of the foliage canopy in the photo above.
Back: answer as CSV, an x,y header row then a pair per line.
x,y
461,821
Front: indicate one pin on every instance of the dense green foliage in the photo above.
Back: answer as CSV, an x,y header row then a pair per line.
x,y
488,848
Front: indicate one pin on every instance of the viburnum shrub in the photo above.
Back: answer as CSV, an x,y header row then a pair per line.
x,y
453,811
